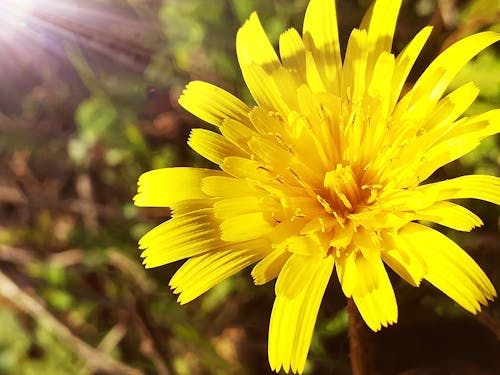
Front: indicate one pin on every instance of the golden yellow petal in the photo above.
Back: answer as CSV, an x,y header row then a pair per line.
x,y
254,48
449,268
167,186
462,139
450,215
244,227
212,104
486,188
405,61
450,108
227,187
212,146
229,207
270,267
267,91
202,272
403,258
295,275
374,295
382,24
181,237
320,33
293,319
353,74
433,82
293,53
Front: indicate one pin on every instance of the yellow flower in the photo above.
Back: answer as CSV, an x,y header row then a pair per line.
x,y
325,172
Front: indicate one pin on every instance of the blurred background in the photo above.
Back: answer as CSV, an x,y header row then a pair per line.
x,y
88,101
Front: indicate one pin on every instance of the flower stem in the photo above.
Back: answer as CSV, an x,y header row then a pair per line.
x,y
360,349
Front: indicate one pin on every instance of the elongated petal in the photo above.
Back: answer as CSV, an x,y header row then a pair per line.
x,y
212,104
486,188
244,227
293,320
458,142
181,237
450,215
403,259
436,78
270,267
202,272
374,295
267,91
449,268
167,186
405,61
293,53
320,33
381,30
353,73
230,207
295,275
254,47
212,146
227,187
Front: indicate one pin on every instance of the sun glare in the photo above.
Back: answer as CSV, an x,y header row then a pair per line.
x,y
15,14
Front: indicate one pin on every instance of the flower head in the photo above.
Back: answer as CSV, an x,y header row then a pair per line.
x,y
326,175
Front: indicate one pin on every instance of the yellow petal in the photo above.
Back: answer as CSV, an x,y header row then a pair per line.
x,y
167,186
244,227
438,75
405,61
212,146
486,188
374,295
267,123
246,168
381,30
353,73
259,62
293,54
270,267
212,104
346,272
380,92
237,133
271,153
295,275
227,187
229,207
292,321
266,91
450,215
320,33
180,237
459,141
451,107
403,258
254,47
449,268
202,272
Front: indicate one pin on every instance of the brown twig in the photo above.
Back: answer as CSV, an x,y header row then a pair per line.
x,y
95,359
157,348
359,342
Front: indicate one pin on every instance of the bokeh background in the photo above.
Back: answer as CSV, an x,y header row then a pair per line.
x,y
88,101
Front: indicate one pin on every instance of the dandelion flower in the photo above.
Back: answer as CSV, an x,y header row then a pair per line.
x,y
326,175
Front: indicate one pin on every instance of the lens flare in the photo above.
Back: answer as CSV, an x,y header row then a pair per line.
x,y
15,16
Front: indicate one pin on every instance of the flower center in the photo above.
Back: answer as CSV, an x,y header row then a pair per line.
x,y
345,193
